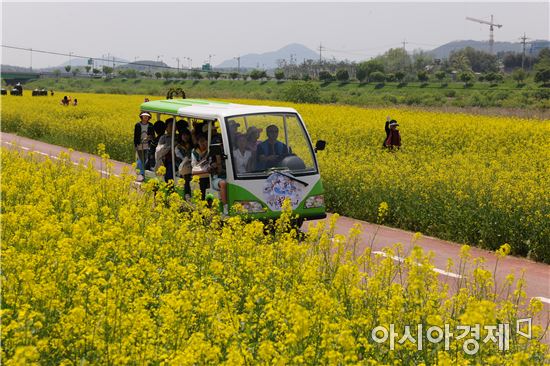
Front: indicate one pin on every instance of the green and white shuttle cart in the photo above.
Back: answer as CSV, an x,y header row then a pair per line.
x,y
280,163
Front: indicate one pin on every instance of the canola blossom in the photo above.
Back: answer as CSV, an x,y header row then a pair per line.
x,y
96,272
478,180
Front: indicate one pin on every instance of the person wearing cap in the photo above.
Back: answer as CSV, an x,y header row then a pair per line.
x,y
394,138
143,134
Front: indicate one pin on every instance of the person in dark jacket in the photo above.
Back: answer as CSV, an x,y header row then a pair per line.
x,y
143,134
387,129
394,138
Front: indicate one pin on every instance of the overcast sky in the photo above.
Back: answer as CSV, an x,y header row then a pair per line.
x,y
146,30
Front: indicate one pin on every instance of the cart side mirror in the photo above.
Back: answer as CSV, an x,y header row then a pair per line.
x,y
320,145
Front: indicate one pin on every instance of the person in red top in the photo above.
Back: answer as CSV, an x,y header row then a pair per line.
x,y
394,138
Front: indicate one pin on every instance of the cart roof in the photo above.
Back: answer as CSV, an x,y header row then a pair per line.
x,y
207,109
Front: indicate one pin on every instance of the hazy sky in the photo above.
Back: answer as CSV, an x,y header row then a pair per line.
x,y
147,30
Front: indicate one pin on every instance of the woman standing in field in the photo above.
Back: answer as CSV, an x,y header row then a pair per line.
x,y
394,138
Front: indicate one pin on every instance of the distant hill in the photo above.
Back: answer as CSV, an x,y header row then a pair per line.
x,y
144,65
268,60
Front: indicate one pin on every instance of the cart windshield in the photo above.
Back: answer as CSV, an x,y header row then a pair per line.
x,y
263,143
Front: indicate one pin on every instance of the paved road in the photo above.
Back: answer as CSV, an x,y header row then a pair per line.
x,y
537,275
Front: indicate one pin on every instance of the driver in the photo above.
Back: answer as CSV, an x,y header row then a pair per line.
x,y
271,151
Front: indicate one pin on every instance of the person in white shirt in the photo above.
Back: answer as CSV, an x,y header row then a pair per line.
x,y
242,156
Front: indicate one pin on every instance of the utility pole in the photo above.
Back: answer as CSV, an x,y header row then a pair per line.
x,y
178,60
31,58
523,42
320,53
404,43
238,58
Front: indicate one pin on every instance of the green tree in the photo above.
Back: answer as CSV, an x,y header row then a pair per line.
x,y
543,76
130,73
96,71
167,74
88,68
361,74
377,77
76,71
422,76
56,73
196,75
325,76
421,59
234,75
158,75
68,68
302,92
342,75
182,75
364,69
478,61
466,77
257,74
519,76
214,75
394,60
279,74
440,76
399,76
107,70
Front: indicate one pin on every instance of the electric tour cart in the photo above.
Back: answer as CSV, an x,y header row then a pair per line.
x,y
267,154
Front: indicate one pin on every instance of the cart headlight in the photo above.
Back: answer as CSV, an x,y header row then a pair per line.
x,y
251,206
315,201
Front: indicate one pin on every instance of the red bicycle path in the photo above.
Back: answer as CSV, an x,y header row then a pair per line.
x,y
376,237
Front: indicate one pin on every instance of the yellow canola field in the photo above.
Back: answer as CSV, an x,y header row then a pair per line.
x,y
479,180
95,273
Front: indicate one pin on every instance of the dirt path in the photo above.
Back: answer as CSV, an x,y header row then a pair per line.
x,y
537,275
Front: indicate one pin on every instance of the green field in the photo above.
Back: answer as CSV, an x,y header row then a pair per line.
x,y
529,97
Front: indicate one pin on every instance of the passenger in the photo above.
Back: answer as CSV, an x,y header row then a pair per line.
x,y
143,134
183,154
232,130
65,100
242,156
159,128
394,137
181,125
75,102
252,136
197,130
387,129
271,151
163,152
219,175
199,163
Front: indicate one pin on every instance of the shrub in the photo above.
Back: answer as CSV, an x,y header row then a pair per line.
x,y
302,92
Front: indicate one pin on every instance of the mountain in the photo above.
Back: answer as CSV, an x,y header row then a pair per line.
x,y
144,65
268,60
445,50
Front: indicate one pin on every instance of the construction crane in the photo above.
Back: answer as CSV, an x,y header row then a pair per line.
x,y
491,28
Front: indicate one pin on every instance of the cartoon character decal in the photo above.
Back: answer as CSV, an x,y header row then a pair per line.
x,y
277,188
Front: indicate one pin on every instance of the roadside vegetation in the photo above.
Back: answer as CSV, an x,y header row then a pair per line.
x,y
95,272
472,179
468,78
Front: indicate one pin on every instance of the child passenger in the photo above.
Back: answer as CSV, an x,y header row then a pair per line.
x,y
242,156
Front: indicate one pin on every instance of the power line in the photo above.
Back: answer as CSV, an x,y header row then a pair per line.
x,y
108,59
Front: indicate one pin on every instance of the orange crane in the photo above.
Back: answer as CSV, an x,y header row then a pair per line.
x,y
491,28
